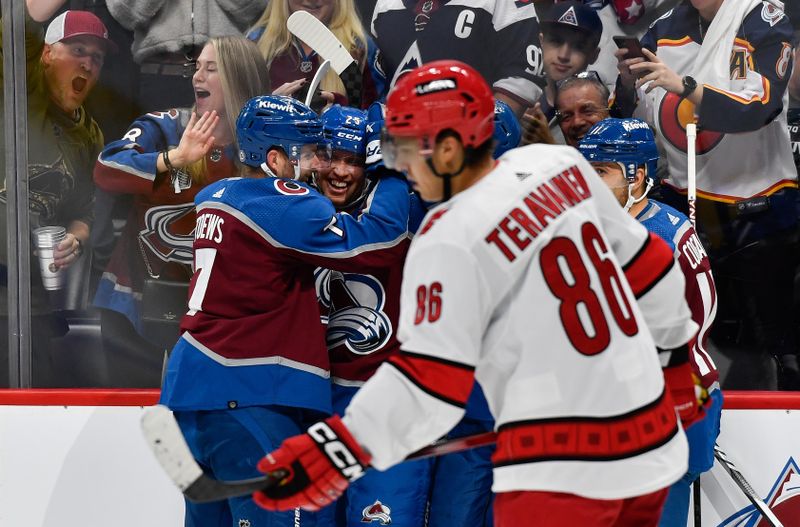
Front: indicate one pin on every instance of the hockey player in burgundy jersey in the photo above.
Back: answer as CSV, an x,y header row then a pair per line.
x,y
625,155
251,366
516,280
499,38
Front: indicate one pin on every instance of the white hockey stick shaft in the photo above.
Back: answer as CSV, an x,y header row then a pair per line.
x,y
312,88
691,170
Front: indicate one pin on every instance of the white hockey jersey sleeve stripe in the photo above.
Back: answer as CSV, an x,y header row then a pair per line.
x,y
448,381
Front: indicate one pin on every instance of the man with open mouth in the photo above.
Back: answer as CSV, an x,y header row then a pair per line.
x,y
63,64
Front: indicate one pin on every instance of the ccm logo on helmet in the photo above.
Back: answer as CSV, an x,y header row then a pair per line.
x,y
435,86
339,454
345,135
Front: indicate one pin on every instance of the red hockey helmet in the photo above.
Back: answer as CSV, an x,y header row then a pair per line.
x,y
441,95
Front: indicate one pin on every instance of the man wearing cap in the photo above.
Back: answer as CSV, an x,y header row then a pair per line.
x,y
570,34
62,65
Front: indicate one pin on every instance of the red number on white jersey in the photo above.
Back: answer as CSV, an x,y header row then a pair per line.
x,y
429,303
568,278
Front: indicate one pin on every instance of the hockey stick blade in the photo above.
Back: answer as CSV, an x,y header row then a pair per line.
x,y
312,88
307,28
745,487
165,439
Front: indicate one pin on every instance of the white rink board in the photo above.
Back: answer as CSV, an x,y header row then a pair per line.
x,y
84,466
765,446
81,466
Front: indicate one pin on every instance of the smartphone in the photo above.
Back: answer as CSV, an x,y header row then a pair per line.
x,y
632,44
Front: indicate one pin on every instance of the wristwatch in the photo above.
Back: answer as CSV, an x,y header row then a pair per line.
x,y
689,86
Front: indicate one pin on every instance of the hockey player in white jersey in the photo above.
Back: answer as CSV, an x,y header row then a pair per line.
x,y
531,279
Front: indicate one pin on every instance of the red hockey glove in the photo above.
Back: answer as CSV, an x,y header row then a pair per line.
x,y
319,465
687,394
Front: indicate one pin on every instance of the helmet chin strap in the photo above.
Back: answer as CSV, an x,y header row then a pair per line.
x,y
446,178
268,171
631,200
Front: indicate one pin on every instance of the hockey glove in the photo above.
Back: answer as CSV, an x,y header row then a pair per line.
x,y
318,467
684,387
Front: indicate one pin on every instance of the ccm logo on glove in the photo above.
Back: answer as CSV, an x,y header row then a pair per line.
x,y
339,454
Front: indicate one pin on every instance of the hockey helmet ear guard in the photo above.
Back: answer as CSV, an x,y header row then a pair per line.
x,y
507,132
441,95
274,121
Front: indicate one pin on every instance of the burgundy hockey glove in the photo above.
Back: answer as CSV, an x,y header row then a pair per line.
x,y
319,465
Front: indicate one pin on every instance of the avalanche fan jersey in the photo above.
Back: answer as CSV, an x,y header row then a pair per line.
x,y
158,236
701,294
536,283
742,145
499,38
252,334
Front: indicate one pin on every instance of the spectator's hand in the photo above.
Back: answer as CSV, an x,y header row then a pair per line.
x,y
67,252
659,76
196,140
535,128
627,76
289,88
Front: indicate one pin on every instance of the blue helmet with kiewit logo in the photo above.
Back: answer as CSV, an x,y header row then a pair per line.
x,y
345,128
628,142
507,131
276,121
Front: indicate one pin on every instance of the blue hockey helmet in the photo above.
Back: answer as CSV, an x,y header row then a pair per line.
x,y
277,121
628,142
507,131
345,128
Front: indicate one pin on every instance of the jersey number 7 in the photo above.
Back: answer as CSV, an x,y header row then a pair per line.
x,y
568,278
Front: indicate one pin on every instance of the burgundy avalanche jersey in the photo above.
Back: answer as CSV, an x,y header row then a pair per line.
x,y
499,38
252,334
701,293
360,310
158,236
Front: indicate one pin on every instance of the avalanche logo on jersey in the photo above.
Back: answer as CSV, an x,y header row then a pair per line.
x,y
783,500
377,512
289,188
771,14
354,303
169,232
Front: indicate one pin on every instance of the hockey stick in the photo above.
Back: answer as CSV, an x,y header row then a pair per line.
x,y
691,169
164,437
311,98
307,28
745,487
